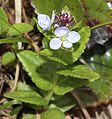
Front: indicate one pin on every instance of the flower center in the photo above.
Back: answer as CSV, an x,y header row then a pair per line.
x,y
63,38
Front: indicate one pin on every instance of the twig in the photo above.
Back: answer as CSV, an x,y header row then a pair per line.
x,y
85,63
16,76
18,17
35,46
24,15
97,115
37,116
17,20
86,114
6,114
109,107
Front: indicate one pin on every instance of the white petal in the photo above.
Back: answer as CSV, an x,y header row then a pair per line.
x,y
61,31
73,36
67,44
53,16
55,43
109,5
44,21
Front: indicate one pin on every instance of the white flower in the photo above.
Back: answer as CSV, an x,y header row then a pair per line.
x,y
44,20
65,38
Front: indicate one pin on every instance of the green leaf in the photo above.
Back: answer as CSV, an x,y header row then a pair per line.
x,y
31,62
53,113
64,103
15,111
3,21
81,9
81,45
65,56
67,84
62,56
9,104
42,6
29,116
13,40
102,88
19,29
8,58
99,11
86,95
80,72
26,95
103,65
45,43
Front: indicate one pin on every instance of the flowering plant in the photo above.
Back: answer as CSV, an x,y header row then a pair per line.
x,y
60,23
54,70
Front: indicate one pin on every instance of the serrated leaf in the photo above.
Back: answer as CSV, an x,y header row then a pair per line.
x,y
31,62
64,103
81,45
13,40
80,72
19,29
67,84
62,56
28,96
55,113
65,56
3,21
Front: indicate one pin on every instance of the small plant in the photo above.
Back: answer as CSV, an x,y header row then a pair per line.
x,y
54,70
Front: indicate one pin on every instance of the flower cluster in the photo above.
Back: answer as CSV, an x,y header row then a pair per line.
x,y
60,22
64,19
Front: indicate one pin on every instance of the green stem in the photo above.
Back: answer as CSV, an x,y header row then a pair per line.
x,y
50,93
100,25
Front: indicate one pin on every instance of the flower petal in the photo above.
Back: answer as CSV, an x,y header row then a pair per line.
x,y
61,31
44,21
55,43
73,36
67,44
53,16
